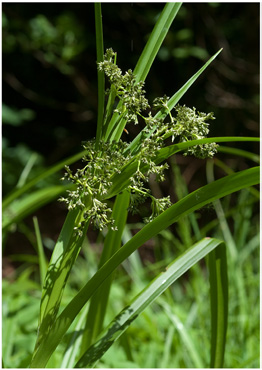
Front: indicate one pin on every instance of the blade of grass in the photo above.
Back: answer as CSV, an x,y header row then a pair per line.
x,y
155,40
249,248
146,59
74,343
192,351
184,225
224,227
29,165
100,74
172,149
233,249
239,152
229,170
41,253
120,181
125,318
190,203
217,263
212,224
8,337
21,208
243,220
167,348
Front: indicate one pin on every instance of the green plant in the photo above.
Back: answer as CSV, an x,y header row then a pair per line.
x,y
114,168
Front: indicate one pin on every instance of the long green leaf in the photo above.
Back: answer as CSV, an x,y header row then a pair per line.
x,y
21,208
219,304
240,152
74,342
155,40
18,192
125,318
40,250
190,203
189,344
120,181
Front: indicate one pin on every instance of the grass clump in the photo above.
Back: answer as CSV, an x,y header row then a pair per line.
x,y
77,327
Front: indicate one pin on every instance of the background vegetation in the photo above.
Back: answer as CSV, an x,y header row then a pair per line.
x,y
49,107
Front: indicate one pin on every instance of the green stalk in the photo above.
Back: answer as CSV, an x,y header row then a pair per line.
x,y
100,74
74,342
219,304
109,108
40,250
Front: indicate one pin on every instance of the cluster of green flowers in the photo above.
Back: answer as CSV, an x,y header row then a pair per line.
x,y
94,180
185,126
190,125
128,90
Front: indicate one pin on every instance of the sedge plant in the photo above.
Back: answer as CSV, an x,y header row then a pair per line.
x,y
117,170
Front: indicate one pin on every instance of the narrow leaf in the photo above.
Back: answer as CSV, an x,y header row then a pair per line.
x,y
240,152
219,304
21,208
18,192
74,342
100,74
155,40
40,250
120,181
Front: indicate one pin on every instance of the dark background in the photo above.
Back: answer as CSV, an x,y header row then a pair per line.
x,y
49,79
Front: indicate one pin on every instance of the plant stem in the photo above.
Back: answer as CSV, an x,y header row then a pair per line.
x,y
100,74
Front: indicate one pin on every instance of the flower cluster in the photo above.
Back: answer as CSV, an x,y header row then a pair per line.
x,y
128,90
94,180
190,125
186,125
